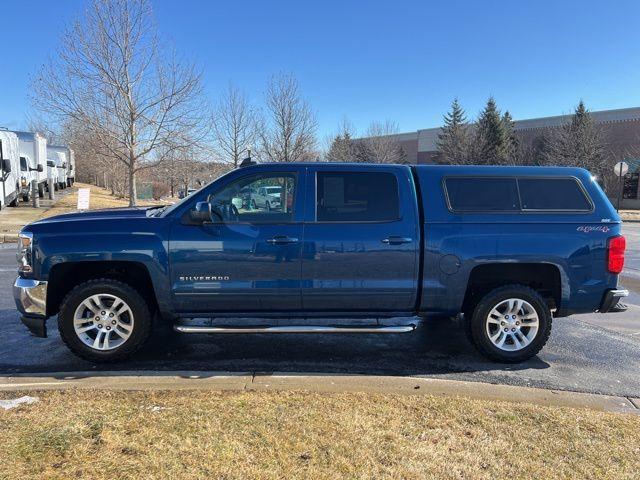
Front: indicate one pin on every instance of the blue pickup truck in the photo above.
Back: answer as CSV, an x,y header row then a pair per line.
x,y
345,248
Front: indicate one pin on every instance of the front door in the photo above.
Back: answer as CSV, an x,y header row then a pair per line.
x,y
248,258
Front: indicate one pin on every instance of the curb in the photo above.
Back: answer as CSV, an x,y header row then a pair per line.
x,y
320,383
10,238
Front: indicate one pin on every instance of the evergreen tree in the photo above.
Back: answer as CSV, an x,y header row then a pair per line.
x,y
512,145
453,139
579,143
342,149
490,138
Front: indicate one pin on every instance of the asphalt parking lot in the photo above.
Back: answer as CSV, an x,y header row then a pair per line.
x,y
587,353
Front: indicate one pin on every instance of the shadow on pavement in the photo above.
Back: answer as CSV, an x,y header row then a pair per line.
x,y
438,346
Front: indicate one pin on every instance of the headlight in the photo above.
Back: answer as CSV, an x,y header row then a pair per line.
x,y
25,252
24,181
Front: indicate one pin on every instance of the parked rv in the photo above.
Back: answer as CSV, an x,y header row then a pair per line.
x,y
9,169
33,147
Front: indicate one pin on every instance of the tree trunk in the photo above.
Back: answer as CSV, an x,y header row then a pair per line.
x,y
132,188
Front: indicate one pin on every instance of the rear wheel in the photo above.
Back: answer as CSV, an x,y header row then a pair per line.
x,y
104,320
510,324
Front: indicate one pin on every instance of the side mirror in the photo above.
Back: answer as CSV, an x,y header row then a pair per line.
x,y
40,168
6,165
201,213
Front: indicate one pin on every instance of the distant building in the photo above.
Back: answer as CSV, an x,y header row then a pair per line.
x,y
621,128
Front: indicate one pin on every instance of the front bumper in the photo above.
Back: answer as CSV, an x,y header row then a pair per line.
x,y
30,297
31,300
611,299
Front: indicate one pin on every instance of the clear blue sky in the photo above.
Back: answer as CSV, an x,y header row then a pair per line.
x,y
372,60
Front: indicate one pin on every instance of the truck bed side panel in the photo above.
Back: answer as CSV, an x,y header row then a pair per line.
x,y
455,243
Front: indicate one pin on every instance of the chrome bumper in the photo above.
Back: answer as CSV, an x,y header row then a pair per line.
x,y
30,297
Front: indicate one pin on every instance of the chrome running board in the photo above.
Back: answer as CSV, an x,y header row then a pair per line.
x,y
294,329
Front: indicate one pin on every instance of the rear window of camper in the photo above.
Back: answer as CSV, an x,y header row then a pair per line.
x,y
509,194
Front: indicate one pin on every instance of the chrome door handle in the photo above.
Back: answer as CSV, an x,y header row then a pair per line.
x,y
282,240
393,240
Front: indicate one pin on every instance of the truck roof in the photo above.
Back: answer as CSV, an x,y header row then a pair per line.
x,y
502,170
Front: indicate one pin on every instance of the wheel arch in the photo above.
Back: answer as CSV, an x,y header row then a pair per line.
x,y
63,277
545,278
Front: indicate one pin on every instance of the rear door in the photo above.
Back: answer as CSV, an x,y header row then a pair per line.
x,y
361,248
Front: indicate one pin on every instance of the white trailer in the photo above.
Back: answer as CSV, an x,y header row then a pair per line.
x,y
71,168
9,169
61,164
70,161
33,147
61,154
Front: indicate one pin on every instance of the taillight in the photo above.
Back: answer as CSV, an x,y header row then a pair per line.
x,y
616,254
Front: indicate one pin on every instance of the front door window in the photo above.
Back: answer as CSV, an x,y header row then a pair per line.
x,y
262,198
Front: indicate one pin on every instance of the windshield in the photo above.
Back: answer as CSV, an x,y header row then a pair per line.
x,y
23,164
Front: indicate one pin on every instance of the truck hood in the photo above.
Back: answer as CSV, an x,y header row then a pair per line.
x,y
107,214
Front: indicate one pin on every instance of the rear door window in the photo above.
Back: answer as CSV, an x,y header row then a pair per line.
x,y
553,194
357,197
478,194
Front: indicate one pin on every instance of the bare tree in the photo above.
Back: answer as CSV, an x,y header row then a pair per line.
x,y
288,133
381,145
234,125
111,75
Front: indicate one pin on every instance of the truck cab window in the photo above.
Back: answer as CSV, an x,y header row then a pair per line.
x,y
357,197
23,165
265,198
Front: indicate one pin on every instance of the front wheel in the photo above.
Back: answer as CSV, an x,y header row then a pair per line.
x,y
104,320
510,324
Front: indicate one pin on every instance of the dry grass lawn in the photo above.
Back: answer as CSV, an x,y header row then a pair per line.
x,y
269,435
100,198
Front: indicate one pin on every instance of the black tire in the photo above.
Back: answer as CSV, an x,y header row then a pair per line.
x,y
478,319
26,197
139,308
